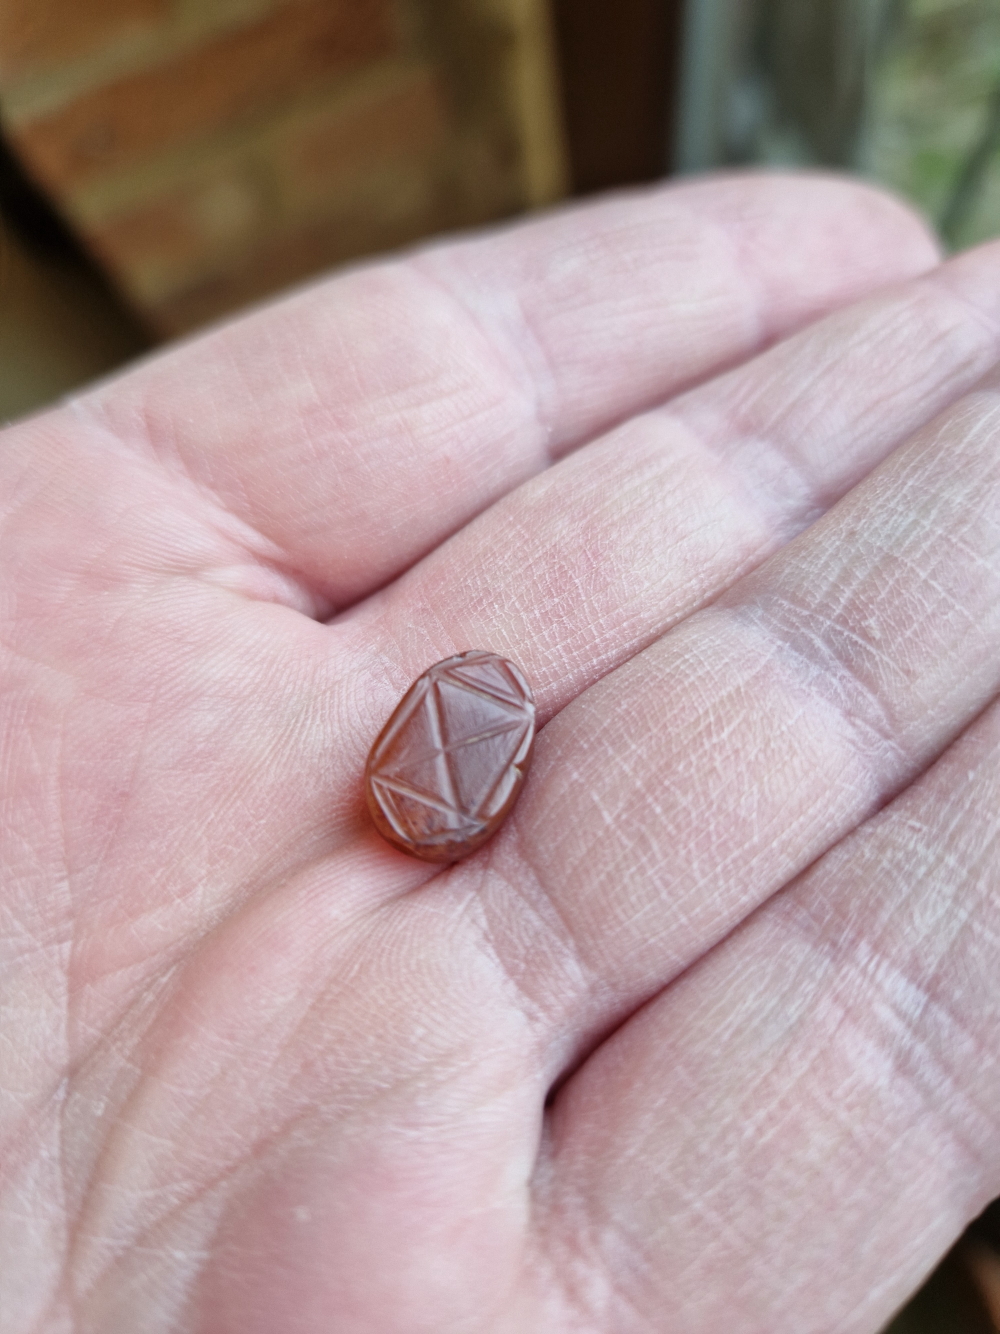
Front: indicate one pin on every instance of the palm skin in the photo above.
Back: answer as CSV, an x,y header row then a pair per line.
x,y
705,1039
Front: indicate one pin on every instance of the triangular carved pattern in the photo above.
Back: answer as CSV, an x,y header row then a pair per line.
x,y
428,777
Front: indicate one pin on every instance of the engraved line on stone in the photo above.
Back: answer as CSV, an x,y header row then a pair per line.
x,y
421,757
452,746
499,730
423,798
486,670
526,743
466,831
419,689
437,735
473,659
404,789
405,714
518,687
483,805
387,806
460,683
456,698
485,682
393,817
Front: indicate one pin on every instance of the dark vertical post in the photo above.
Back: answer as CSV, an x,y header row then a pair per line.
x,y
619,66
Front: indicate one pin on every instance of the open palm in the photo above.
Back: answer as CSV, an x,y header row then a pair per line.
x,y
705,1040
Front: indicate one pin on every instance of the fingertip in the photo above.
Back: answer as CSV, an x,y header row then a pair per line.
x,y
973,278
891,228
821,239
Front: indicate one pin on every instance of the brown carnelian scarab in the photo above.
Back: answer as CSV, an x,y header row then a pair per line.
x,y
448,765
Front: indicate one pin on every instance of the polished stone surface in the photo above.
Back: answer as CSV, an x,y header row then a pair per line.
x,y
448,765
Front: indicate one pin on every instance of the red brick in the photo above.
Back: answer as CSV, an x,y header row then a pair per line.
x,y
172,238
385,212
290,257
224,83
319,155
314,164
35,34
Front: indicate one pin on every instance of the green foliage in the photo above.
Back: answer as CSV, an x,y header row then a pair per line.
x,y
905,91
934,117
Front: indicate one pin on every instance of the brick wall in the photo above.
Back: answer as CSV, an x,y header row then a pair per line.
x,y
210,151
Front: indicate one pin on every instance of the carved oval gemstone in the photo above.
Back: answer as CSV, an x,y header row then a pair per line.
x,y
448,765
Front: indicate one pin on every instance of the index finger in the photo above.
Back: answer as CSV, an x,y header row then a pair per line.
x,y
359,422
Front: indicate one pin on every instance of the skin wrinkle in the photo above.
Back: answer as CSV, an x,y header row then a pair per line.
x,y
453,424
343,982
872,965
759,538
944,596
514,966
585,1289
260,759
562,1061
814,188
743,409
981,312
914,563
44,1128
529,375
66,1005
901,321
654,635
238,811
754,305
952,1145
199,503
739,278
732,1227
90,1294
113,832
263,554
87,1238
516,305
857,690
476,1322
143,440
614,1248
822,670
818,930
871,988
917,1063
528,524
55,981
976,558
90,1183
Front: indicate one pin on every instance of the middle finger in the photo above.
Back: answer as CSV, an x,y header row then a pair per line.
x,y
583,567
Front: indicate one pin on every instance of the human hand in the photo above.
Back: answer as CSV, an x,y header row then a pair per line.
x,y
705,1038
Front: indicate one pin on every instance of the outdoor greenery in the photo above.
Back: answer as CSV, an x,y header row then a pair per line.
x,y
905,91
933,127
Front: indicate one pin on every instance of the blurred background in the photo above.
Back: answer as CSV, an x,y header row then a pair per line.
x,y
165,162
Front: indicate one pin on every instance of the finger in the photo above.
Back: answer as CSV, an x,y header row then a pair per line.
x,y
357,423
688,786
581,568
283,810
577,570
673,520
803,1124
